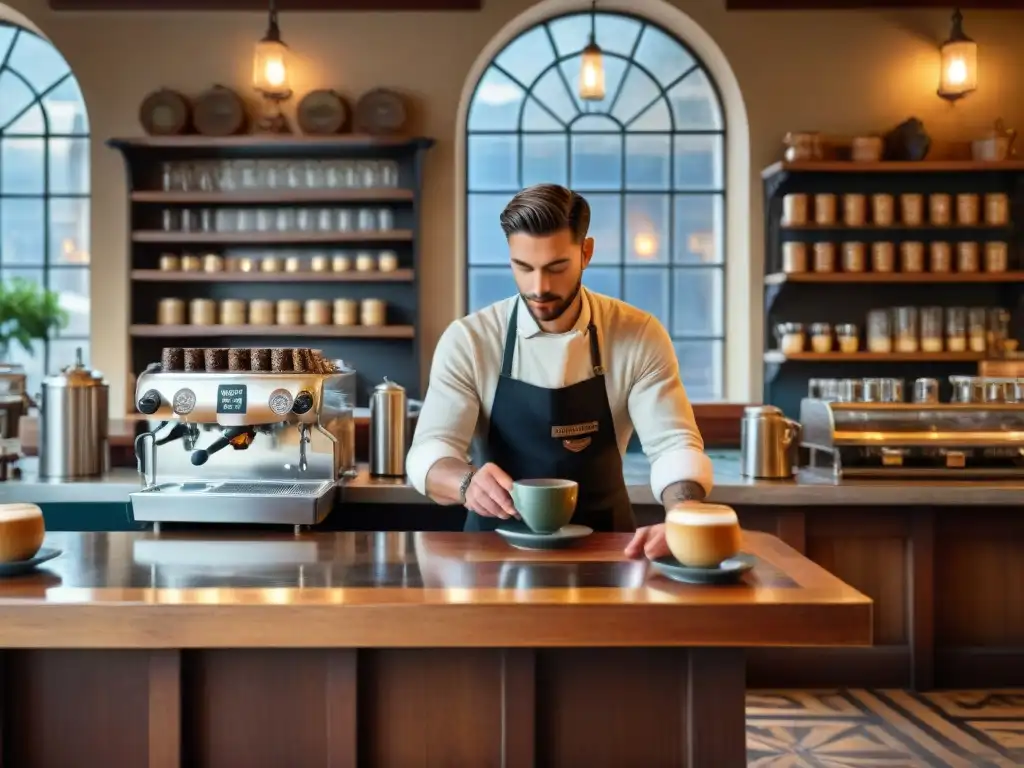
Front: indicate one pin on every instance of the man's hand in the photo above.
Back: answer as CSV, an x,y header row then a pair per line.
x,y
648,541
489,493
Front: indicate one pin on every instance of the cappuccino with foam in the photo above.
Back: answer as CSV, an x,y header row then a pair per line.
x,y
702,535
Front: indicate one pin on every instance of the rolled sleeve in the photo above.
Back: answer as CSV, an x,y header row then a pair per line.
x,y
663,416
447,419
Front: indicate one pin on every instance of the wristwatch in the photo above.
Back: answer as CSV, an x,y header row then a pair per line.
x,y
464,485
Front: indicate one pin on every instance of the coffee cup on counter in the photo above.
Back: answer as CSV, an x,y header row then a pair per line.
x,y
702,535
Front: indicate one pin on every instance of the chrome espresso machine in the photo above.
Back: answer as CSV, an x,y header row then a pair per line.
x,y
868,428
243,436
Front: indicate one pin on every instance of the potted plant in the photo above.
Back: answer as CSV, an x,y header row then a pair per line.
x,y
28,313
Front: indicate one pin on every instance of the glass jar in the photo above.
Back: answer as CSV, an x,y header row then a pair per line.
x,y
912,257
821,337
855,210
794,257
997,257
848,338
791,338
824,257
956,329
854,259
931,329
825,209
940,209
941,257
907,329
967,259
977,329
879,331
883,257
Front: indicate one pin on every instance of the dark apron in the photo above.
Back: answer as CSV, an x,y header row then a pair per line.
x,y
565,433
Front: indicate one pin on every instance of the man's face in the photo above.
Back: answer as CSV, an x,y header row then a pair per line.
x,y
549,271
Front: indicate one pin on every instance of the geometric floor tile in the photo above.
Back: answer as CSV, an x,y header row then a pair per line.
x,y
854,728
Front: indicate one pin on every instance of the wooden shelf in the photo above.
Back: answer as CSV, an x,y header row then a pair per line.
x,y
291,142
276,196
778,278
270,238
163,276
776,356
298,331
924,166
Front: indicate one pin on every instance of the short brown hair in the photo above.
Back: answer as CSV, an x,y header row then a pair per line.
x,y
544,209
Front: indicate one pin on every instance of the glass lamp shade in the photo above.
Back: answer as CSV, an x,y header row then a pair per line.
x,y
592,74
959,74
270,68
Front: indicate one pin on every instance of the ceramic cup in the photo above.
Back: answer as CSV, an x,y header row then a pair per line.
x,y
702,535
545,505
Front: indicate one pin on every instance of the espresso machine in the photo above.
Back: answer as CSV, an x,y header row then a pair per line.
x,y
870,428
243,436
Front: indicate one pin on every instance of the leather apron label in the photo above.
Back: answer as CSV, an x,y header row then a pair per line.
x,y
576,445
575,430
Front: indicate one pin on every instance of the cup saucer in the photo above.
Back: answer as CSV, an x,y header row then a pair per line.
x,y
519,535
21,567
727,572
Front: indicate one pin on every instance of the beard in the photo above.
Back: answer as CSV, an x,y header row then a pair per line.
x,y
557,307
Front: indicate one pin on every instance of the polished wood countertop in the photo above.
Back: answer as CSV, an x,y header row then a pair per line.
x,y
379,590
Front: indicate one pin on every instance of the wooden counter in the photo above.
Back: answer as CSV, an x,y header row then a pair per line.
x,y
392,649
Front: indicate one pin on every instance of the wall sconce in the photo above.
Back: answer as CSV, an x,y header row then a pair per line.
x,y
959,57
270,73
592,66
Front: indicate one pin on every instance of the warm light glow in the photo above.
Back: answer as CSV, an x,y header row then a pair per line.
x,y
645,245
592,74
958,74
270,68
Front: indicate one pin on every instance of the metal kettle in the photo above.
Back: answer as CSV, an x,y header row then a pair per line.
x,y
73,430
389,418
768,442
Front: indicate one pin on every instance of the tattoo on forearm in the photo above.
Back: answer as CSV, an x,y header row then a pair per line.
x,y
685,490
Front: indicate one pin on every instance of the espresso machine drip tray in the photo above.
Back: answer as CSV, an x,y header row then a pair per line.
x,y
283,502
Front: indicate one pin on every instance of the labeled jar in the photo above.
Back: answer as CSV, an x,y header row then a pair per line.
x,y
912,209
202,312
883,210
967,206
855,210
794,257
931,329
794,210
854,257
821,337
317,312
289,312
940,257
879,331
170,312
912,257
232,312
848,337
967,259
345,311
387,261
373,312
824,257
261,312
907,329
997,257
997,209
169,262
791,338
940,209
883,257
977,329
956,329
825,209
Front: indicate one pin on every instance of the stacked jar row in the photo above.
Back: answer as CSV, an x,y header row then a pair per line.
x,y
858,210
889,257
904,329
206,312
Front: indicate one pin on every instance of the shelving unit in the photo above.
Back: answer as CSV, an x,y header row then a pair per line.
x,y
391,350
839,297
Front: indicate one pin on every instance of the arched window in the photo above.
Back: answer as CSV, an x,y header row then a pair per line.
x,y
649,158
44,187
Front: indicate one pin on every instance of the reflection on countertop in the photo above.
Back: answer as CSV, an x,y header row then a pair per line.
x,y
809,488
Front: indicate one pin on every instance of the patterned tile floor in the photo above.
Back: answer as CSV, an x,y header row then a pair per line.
x,y
851,728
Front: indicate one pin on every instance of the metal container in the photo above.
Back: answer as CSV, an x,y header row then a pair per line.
x,y
73,414
388,428
767,442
